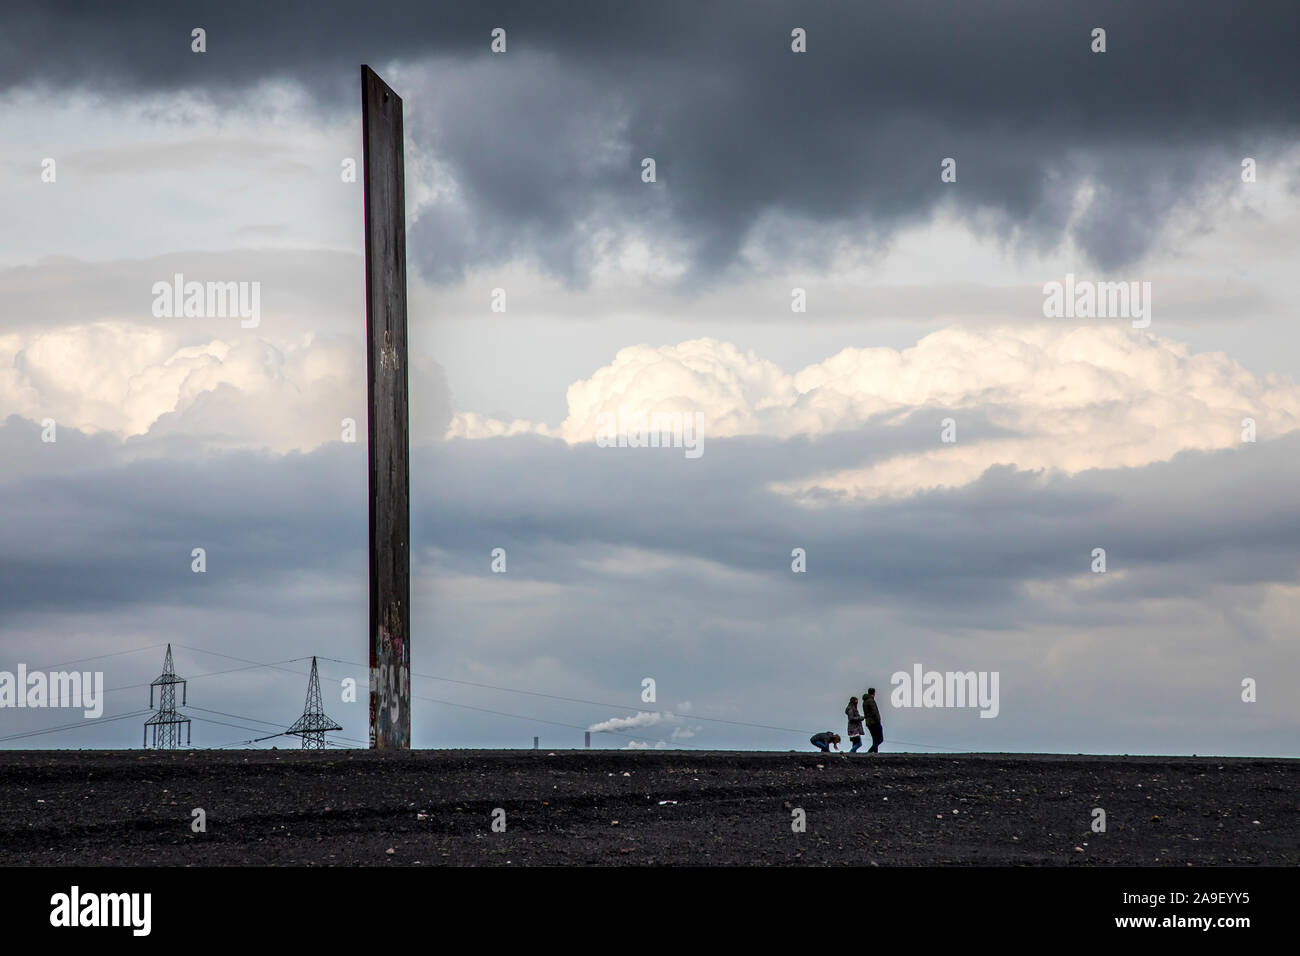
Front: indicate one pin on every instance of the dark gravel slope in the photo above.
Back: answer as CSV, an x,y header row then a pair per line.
x,y
608,807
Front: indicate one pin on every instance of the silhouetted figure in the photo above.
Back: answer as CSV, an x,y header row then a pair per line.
x,y
855,724
825,741
871,713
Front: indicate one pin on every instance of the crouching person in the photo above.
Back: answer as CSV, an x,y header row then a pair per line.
x,y
825,741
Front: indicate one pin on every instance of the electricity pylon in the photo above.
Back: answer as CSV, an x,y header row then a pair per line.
x,y
313,723
166,722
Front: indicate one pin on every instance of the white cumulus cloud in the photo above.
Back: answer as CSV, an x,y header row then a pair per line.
x,y
132,380
1094,396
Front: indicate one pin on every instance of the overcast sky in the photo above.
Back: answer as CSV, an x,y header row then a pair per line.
x,y
822,430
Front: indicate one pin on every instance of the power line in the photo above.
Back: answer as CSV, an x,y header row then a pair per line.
x,y
256,730
214,674
99,657
272,723
83,723
255,720
246,660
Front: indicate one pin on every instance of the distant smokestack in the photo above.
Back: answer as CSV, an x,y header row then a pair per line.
x,y
534,743
588,741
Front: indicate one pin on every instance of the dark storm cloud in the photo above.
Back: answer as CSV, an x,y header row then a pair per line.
x,y
844,141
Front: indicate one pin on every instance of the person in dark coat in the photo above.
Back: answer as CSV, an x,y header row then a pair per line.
x,y
871,713
855,724
825,741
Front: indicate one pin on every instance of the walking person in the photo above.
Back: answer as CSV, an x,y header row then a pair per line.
x,y
825,741
855,724
871,713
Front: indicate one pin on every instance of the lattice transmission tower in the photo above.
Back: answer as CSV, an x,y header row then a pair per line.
x,y
313,723
166,722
